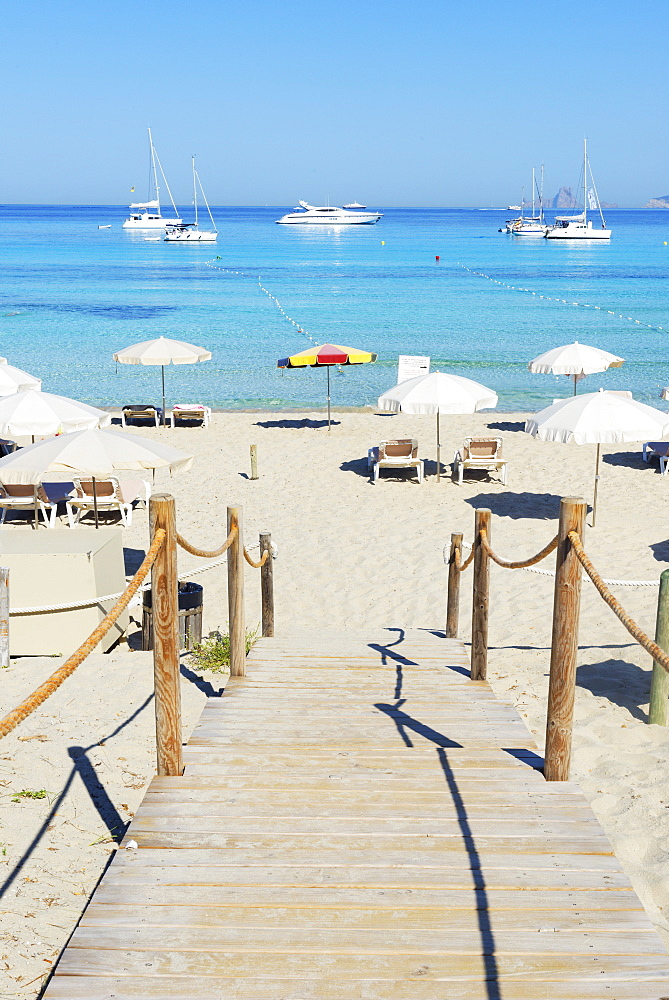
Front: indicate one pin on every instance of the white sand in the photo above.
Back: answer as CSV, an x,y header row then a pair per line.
x,y
351,554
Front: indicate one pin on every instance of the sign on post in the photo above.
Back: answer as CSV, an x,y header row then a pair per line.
x,y
411,366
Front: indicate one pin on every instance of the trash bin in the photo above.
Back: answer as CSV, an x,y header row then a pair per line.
x,y
190,616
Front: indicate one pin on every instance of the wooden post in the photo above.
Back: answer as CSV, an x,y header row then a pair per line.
x,y
564,643
254,461
453,604
481,589
659,685
267,585
4,617
166,666
236,624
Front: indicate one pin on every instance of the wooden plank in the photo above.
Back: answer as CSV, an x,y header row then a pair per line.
x,y
398,940
409,917
439,967
85,987
529,900
416,876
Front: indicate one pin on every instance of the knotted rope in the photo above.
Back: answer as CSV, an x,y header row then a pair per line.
x,y
261,562
637,633
519,563
50,685
203,553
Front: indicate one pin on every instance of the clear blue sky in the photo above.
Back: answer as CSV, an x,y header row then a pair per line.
x,y
388,101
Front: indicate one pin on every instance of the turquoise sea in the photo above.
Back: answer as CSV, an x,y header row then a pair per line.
x,y
72,294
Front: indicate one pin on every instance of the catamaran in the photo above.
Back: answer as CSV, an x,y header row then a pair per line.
x,y
190,232
577,227
146,214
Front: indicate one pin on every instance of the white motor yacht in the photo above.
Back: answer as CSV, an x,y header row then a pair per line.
x,y
578,227
190,232
306,214
147,214
354,204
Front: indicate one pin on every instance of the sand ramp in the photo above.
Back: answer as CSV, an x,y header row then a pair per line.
x,y
358,819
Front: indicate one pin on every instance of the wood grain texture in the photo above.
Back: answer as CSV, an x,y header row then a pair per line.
x,y
361,820
166,665
236,620
480,598
564,643
453,598
267,586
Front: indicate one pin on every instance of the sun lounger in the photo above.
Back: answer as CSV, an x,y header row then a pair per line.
x,y
480,453
657,449
399,454
191,411
27,498
141,412
108,496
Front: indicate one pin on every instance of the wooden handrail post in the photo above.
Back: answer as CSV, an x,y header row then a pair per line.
x,y
481,590
165,615
564,643
236,624
267,585
659,684
453,603
254,461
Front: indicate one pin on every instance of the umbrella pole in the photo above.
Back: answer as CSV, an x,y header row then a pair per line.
x,y
575,380
594,498
162,367
328,370
438,450
95,501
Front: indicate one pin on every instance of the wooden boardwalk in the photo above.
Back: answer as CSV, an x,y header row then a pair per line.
x,y
359,821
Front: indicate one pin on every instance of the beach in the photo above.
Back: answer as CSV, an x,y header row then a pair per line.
x,y
350,555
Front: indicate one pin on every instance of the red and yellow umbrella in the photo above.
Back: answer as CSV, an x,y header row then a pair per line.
x,y
325,355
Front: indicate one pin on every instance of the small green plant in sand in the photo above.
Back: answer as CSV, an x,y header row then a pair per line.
x,y
213,653
27,793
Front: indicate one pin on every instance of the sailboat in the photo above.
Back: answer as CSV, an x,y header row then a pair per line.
x,y
577,227
535,225
146,214
190,232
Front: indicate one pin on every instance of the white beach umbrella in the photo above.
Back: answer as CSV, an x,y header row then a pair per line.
x,y
95,453
438,393
604,417
162,351
14,380
32,413
576,360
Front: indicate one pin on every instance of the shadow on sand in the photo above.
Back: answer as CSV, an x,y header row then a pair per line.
x,y
297,424
543,506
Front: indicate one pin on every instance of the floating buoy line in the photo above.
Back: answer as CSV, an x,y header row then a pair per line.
x,y
565,302
272,298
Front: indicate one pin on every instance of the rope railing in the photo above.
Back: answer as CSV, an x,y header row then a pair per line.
x,y
571,561
520,563
204,553
252,562
39,696
634,630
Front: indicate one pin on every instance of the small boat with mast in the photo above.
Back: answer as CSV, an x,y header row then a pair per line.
x,y
534,225
147,214
190,232
577,227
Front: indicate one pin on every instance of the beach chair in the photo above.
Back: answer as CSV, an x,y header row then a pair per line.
x,y
13,497
657,449
108,496
191,412
141,412
480,453
399,454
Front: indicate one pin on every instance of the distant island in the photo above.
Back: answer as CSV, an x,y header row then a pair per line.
x,y
565,199
661,202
